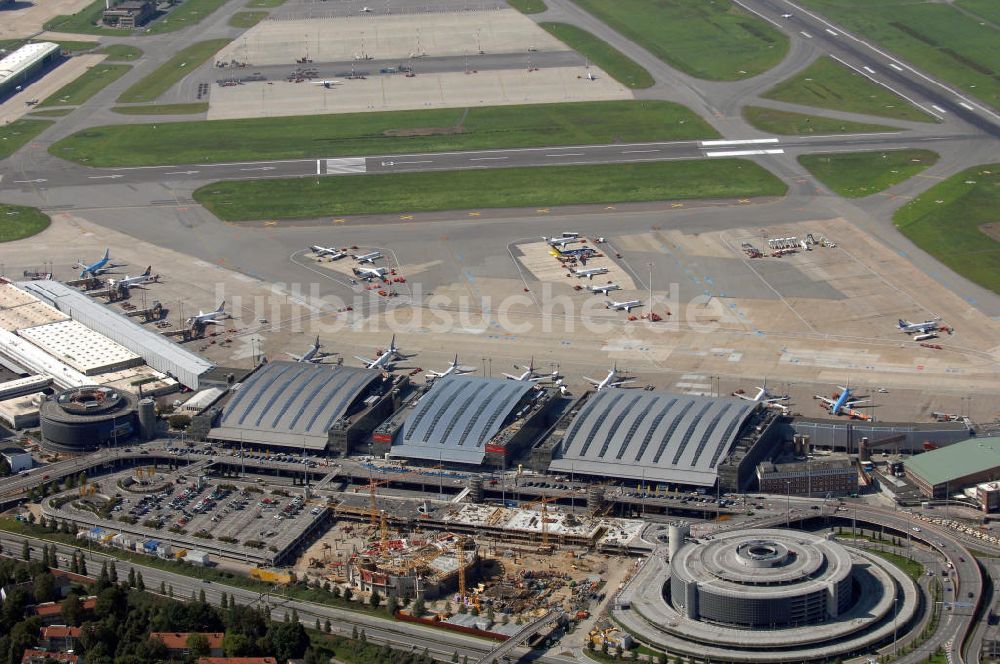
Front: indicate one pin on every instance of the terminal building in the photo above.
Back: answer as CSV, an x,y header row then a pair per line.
x,y
468,421
129,14
305,406
942,473
812,477
677,440
26,64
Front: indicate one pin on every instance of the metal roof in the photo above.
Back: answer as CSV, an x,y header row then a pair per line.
x,y
959,460
655,436
292,403
25,57
157,350
457,417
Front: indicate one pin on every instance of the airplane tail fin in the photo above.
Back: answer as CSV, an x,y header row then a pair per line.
x,y
149,271
317,341
222,306
107,254
902,323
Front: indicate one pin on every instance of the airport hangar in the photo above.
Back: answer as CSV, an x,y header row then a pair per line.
x,y
24,65
946,471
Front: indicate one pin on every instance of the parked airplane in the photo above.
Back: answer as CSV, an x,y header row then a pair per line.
x,y
95,268
366,10
370,273
530,375
581,252
627,305
313,355
589,272
454,369
385,360
210,318
604,289
590,76
327,84
910,328
764,397
561,242
611,380
333,253
367,258
138,280
843,405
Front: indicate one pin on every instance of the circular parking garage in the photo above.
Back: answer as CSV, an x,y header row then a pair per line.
x,y
82,419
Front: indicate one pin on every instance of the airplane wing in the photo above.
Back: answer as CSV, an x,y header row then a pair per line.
x,y
507,375
826,400
623,382
592,381
294,356
851,404
366,360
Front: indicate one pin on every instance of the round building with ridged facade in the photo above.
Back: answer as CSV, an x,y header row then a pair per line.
x,y
762,580
82,419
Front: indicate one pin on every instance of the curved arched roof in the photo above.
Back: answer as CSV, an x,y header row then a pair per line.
x,y
292,403
457,417
655,436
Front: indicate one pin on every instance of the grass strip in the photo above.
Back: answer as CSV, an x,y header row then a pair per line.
x,y
859,174
51,113
183,15
172,71
247,19
353,134
828,84
514,187
788,123
18,133
936,37
86,85
18,222
528,6
618,65
86,21
163,109
715,40
121,53
957,222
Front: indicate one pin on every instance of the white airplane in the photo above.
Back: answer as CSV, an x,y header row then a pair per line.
x,y
367,258
328,84
138,280
97,267
561,241
590,76
313,355
366,10
589,272
764,397
627,305
922,328
370,273
530,375
611,380
210,318
842,405
331,252
454,369
605,289
385,360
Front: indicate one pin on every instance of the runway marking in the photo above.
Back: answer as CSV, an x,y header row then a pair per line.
x,y
270,223
104,177
258,168
886,86
488,158
676,205
422,161
29,181
406,217
895,66
832,32
868,69
566,154
637,151
543,210
966,106
743,153
742,141
183,172
318,167
346,165
938,108
474,214
806,34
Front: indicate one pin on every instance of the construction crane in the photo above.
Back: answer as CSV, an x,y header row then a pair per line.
x,y
373,485
460,556
384,527
545,519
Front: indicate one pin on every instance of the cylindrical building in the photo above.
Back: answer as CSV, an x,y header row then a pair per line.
x,y
762,579
82,419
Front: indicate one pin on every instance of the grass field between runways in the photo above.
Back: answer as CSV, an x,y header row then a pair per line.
x,y
18,222
87,85
617,65
859,174
172,71
479,189
354,134
19,133
787,123
958,222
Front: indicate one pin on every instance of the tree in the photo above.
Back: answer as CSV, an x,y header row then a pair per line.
x,y
318,627
113,572
25,551
590,645
170,590
224,601
54,558
45,555
83,565
72,610
391,605
289,640
201,595
295,616
198,645
140,585
131,577
163,587
326,626
375,599
354,633
462,608
454,657
44,586
348,593
418,608
74,564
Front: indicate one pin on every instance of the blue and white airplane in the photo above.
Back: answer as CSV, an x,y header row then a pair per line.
x,y
920,328
843,405
95,268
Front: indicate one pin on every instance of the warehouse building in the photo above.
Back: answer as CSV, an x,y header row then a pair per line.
x,y
80,347
303,406
636,435
940,473
25,65
156,350
468,421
